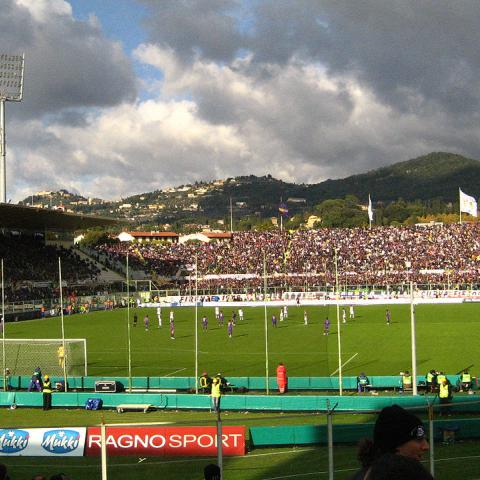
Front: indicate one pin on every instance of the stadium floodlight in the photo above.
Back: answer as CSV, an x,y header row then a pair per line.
x,y
11,90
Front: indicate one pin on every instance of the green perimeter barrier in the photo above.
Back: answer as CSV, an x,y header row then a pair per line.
x,y
281,403
250,383
349,433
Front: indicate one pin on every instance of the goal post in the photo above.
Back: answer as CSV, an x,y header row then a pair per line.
x,y
23,355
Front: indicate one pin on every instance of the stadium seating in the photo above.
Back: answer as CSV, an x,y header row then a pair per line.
x,y
31,267
435,254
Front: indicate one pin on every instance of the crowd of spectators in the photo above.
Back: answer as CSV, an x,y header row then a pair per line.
x,y
381,256
31,267
441,256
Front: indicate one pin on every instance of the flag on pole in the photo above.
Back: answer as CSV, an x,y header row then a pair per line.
x,y
283,209
468,204
370,209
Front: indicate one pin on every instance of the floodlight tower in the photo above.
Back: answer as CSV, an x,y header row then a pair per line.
x,y
11,90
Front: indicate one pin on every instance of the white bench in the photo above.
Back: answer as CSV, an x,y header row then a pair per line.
x,y
154,390
135,406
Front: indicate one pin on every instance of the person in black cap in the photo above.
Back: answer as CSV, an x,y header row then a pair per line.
x,y
398,467
396,431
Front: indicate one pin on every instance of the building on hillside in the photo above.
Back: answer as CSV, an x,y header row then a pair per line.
x,y
296,200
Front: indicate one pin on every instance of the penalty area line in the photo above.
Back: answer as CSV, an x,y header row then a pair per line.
x,y
348,361
175,371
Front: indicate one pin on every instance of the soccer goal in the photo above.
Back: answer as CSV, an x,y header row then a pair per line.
x,y
23,355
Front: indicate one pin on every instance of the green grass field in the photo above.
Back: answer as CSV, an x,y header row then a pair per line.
x,y
447,339
457,462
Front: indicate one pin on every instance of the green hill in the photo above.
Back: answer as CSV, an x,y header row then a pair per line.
x,y
436,175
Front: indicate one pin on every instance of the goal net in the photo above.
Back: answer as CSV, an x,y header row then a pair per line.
x,y
23,355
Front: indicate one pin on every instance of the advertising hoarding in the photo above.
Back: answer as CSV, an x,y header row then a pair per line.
x,y
43,442
166,441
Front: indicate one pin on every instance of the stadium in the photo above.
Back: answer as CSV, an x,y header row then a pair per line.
x,y
114,326
239,325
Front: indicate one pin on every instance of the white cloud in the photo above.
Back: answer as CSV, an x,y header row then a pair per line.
x,y
297,122
307,93
42,10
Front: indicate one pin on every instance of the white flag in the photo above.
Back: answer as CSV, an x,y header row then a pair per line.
x,y
370,209
468,204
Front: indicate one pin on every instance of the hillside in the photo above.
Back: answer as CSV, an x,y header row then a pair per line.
x,y
434,176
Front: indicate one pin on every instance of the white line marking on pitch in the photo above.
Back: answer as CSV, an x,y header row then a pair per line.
x,y
176,371
349,360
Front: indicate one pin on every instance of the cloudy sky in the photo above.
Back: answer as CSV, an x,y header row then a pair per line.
x,y
128,96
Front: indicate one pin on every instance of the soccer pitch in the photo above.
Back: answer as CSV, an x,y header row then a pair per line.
x,y
447,337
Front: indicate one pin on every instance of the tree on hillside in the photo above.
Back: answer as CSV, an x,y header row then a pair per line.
x,y
342,213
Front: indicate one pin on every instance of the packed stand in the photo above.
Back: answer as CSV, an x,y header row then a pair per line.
x,y
437,254
31,267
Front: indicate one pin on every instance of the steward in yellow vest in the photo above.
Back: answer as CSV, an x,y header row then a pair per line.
x,y
445,395
205,383
431,378
216,394
407,381
465,381
440,378
47,393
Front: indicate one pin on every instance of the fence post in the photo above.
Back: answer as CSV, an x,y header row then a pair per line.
x,y
103,436
219,443
330,441
431,438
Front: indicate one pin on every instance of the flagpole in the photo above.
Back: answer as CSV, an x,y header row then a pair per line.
x,y
266,321
196,323
340,379
281,214
63,325
369,210
4,364
460,204
129,340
